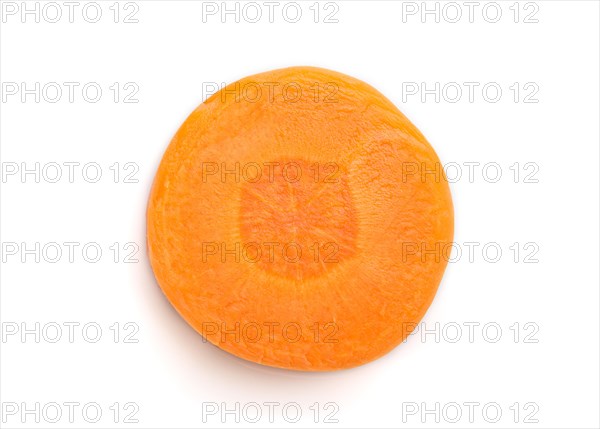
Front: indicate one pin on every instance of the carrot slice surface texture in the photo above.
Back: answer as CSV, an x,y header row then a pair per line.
x,y
299,220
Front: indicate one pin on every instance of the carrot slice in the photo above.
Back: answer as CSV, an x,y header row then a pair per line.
x,y
299,220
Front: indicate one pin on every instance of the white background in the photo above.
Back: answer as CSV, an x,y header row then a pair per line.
x,y
169,373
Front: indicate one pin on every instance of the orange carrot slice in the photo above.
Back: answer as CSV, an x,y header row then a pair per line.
x,y
299,220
